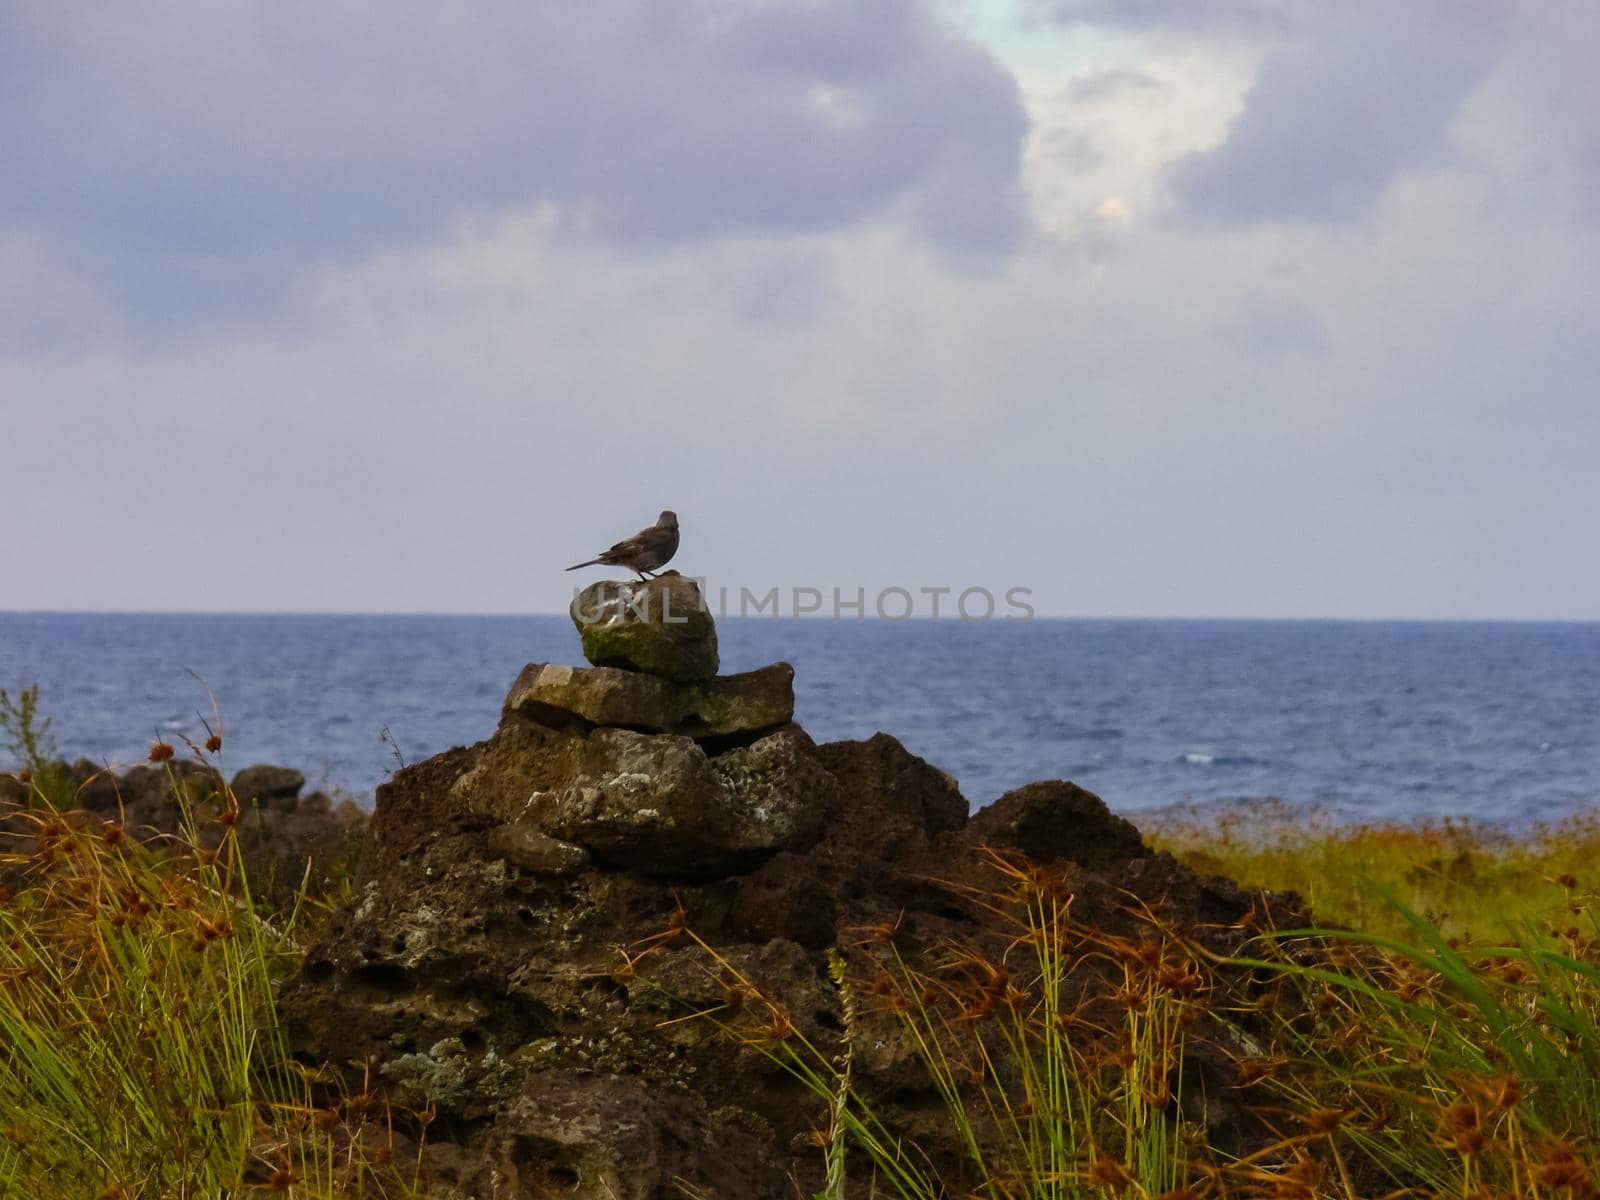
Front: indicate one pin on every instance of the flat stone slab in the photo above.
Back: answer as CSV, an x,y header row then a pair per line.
x,y
552,693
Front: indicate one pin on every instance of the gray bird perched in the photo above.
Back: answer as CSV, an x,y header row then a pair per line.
x,y
646,551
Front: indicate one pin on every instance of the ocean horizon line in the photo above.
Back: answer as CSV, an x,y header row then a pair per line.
x,y
434,614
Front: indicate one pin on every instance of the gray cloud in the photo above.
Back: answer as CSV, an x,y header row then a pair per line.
x,y
1235,416
1186,15
1365,94
1111,83
1534,121
192,160
775,288
1282,326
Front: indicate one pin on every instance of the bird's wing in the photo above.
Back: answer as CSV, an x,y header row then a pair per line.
x,y
626,548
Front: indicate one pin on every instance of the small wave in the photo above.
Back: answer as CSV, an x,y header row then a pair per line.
x,y
1197,759
1067,731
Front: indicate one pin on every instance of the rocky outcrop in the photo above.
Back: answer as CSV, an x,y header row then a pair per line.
x,y
509,959
1055,820
906,785
660,626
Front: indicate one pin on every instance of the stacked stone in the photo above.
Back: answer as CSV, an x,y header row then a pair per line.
x,y
683,772
509,958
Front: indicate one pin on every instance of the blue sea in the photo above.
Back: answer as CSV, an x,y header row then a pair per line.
x,y
1367,720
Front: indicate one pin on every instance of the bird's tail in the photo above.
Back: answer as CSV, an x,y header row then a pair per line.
x,y
592,562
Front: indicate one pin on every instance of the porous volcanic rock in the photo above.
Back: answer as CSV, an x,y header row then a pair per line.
x,y
905,784
724,707
277,786
660,805
659,626
1054,819
598,1137
513,959
523,844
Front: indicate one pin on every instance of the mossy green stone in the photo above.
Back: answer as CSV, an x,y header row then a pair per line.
x,y
659,626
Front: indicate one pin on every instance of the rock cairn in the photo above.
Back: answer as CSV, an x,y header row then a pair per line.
x,y
491,968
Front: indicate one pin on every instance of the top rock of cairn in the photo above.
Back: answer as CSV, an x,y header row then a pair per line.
x,y
654,649
658,626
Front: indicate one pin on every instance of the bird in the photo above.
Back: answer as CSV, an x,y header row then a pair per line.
x,y
645,552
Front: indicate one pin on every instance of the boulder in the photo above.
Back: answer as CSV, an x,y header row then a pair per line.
x,y
278,787
897,780
726,706
659,626
1054,820
659,805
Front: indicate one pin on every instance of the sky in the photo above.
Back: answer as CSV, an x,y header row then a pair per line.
x,y
1252,308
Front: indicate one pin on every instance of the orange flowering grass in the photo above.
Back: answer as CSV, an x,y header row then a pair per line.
x,y
1359,1064
1453,1067
140,1050
1049,1097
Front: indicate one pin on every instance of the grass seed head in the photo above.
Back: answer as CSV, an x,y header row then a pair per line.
x,y
1460,1116
1109,1173
677,920
980,1008
1561,1170
1463,1128
1324,1120
880,933
779,1028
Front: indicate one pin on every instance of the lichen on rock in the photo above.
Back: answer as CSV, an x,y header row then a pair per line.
x,y
658,626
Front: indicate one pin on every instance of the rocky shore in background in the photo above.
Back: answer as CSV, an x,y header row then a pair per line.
x,y
507,963
289,837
